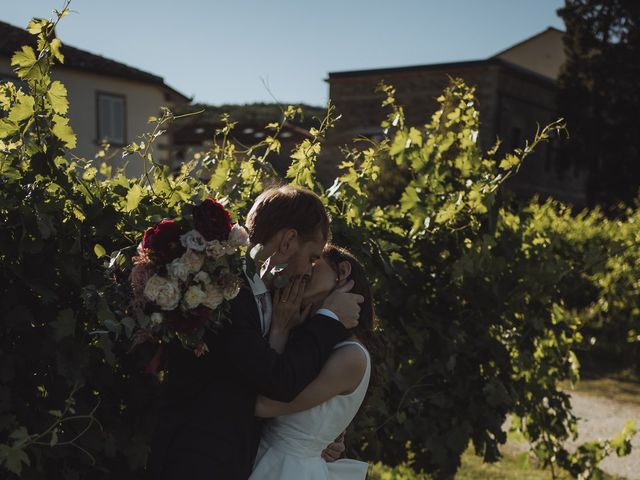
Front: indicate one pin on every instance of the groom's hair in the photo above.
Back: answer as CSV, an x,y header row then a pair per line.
x,y
289,207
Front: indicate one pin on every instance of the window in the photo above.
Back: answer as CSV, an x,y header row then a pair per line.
x,y
112,118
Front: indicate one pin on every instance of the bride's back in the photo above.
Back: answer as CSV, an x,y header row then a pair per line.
x,y
307,433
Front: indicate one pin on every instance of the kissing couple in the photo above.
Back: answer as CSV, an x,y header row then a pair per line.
x,y
283,380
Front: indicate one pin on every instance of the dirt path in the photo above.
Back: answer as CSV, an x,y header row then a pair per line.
x,y
602,418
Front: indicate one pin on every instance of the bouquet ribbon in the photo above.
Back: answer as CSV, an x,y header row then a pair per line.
x,y
154,363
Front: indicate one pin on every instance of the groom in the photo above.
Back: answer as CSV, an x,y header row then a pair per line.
x,y
206,426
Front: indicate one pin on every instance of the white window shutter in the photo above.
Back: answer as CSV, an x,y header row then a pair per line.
x,y
111,118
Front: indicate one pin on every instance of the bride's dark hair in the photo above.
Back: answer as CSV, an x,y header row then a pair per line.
x,y
367,328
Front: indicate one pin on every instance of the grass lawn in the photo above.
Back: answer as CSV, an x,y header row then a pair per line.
x,y
516,467
623,386
512,467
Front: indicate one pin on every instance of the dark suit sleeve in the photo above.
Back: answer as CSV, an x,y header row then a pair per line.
x,y
278,376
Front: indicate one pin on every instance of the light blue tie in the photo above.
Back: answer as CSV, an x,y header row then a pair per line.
x,y
262,300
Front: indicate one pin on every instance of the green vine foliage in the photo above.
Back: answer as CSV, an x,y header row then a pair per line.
x,y
482,305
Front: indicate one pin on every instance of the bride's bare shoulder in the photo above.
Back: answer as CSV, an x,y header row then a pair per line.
x,y
350,359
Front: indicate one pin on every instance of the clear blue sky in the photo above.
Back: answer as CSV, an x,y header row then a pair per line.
x,y
220,51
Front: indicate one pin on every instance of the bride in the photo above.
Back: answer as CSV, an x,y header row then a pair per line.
x,y
293,440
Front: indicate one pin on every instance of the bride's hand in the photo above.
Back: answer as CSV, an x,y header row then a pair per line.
x,y
335,450
287,313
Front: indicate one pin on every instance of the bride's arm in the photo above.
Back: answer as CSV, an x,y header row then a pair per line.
x,y
340,375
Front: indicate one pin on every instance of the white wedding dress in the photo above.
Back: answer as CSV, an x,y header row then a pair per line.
x,y
291,445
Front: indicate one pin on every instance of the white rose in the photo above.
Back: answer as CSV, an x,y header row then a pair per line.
x,y
231,291
165,293
202,277
215,249
169,296
238,236
152,287
194,240
230,285
201,350
214,297
193,261
178,269
194,296
157,318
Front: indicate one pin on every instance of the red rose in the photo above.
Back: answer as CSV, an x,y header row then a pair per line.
x,y
163,241
212,220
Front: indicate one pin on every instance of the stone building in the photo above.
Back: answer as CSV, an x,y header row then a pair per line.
x,y
516,92
108,100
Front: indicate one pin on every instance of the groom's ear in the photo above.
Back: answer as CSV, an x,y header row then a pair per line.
x,y
288,241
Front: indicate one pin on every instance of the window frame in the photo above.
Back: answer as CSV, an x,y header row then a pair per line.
x,y
99,138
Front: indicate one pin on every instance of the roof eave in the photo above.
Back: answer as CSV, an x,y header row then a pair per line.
x,y
411,68
492,61
180,97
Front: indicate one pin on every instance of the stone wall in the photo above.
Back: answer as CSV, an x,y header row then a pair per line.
x,y
355,99
523,104
512,102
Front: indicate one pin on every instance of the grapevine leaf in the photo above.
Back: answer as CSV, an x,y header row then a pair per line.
x,y
99,250
14,458
63,131
24,108
64,325
133,198
57,96
24,60
55,45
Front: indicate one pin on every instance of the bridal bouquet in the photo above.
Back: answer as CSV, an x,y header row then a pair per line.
x,y
184,275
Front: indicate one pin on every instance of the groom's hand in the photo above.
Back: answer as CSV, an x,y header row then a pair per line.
x,y
345,305
334,451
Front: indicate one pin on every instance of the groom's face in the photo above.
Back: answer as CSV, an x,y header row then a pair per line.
x,y
303,255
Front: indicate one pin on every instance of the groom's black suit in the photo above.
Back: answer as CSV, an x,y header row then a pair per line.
x,y
206,427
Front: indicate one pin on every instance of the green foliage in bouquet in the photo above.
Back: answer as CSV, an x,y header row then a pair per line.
x,y
482,305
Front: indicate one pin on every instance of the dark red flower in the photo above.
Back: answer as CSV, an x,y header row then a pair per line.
x,y
212,220
190,321
163,241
